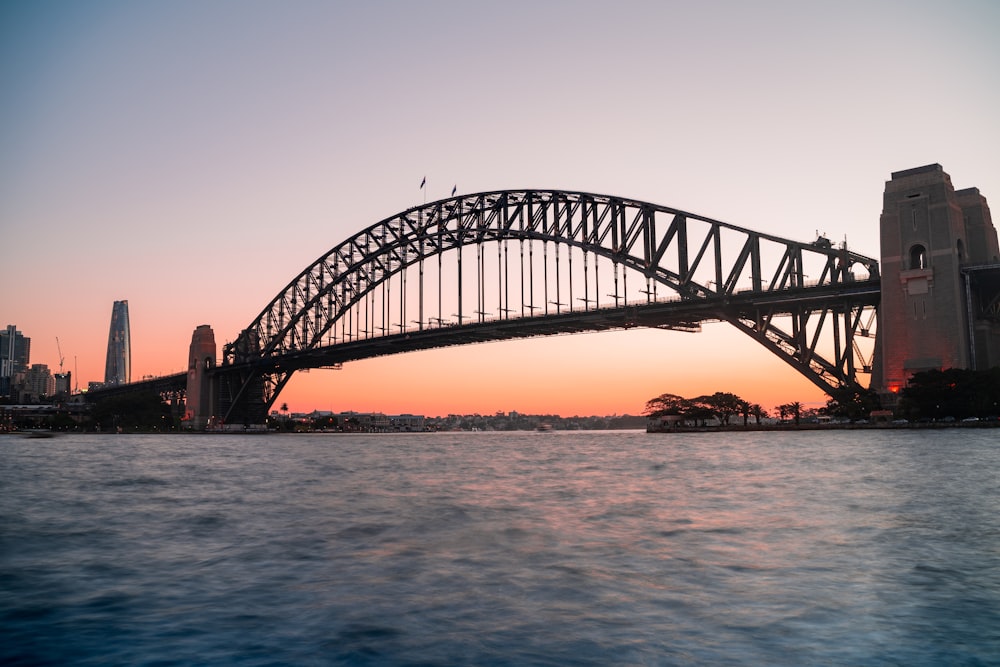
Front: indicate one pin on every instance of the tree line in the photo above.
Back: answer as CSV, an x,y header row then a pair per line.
x,y
721,406
954,392
934,395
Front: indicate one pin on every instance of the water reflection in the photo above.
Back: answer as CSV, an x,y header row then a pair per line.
x,y
582,548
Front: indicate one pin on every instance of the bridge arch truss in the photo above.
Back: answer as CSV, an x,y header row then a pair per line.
x,y
532,262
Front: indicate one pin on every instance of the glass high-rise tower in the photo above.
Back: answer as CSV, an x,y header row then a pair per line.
x,y
14,352
118,368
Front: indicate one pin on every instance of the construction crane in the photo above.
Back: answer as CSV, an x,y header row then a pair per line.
x,y
61,357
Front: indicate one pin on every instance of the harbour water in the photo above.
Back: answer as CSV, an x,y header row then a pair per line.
x,y
562,548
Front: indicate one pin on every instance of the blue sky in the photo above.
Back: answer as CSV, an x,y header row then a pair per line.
x,y
193,157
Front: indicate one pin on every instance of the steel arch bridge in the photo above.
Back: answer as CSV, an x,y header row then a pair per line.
x,y
519,263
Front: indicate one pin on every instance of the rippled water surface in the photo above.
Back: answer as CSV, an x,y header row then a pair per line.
x,y
590,548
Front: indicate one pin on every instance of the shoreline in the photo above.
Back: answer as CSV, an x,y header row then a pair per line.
x,y
994,423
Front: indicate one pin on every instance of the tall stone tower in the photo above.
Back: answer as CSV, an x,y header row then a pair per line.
x,y
931,238
201,359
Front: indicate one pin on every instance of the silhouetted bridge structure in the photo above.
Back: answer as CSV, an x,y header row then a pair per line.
x,y
522,263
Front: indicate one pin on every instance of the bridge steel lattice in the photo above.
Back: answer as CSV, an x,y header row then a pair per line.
x,y
517,263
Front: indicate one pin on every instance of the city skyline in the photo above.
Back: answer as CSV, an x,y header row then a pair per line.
x,y
198,168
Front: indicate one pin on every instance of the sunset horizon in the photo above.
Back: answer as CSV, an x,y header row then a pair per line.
x,y
158,154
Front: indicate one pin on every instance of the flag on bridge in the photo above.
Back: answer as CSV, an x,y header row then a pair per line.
x,y
453,190
423,183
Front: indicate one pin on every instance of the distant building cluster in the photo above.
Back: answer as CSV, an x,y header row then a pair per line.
x,y
356,422
377,422
22,382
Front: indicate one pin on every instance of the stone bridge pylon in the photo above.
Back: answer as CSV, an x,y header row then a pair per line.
x,y
940,262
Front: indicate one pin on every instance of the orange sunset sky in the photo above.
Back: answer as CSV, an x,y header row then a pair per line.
x,y
194,157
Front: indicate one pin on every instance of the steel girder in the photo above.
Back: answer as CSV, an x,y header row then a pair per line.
x,y
694,257
838,322
982,291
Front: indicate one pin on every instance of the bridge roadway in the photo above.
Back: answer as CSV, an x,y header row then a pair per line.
x,y
674,314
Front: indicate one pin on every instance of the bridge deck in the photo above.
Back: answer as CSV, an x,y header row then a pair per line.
x,y
673,314
667,314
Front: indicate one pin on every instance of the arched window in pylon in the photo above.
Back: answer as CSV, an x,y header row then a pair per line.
x,y
918,257
960,249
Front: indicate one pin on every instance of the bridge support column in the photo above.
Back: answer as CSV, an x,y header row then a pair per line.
x,y
201,360
929,233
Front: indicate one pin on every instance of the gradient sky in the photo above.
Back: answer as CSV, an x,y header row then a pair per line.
x,y
193,157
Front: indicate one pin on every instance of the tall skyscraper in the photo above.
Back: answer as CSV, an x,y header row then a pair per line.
x,y
15,350
64,383
118,368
